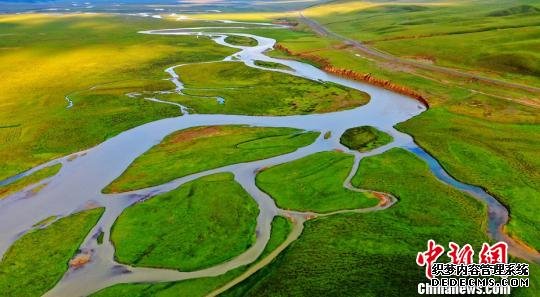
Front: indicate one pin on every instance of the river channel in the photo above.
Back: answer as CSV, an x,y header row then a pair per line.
x,y
83,175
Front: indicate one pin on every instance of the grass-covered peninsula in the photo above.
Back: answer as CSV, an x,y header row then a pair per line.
x,y
202,148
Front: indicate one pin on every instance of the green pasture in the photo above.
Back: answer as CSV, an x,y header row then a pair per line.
x,y
258,92
241,40
342,255
499,40
483,134
202,223
198,287
39,259
314,183
502,158
364,138
51,56
202,148
271,65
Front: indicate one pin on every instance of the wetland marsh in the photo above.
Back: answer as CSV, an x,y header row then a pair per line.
x,y
201,197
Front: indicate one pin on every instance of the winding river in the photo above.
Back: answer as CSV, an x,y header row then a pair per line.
x,y
78,184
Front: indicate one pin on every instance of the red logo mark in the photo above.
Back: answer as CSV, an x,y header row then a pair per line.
x,y
460,256
429,257
497,253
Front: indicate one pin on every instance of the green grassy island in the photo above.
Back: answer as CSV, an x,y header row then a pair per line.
x,y
365,138
202,148
178,230
314,183
37,260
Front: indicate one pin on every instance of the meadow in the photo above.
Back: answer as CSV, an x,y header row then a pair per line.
x,y
503,158
496,40
241,40
271,65
201,286
314,183
39,259
280,230
341,255
178,230
202,148
47,57
276,93
483,134
364,138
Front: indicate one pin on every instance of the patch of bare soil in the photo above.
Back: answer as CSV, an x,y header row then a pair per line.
x,y
80,260
190,134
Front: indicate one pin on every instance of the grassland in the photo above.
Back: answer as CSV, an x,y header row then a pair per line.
x,y
471,128
364,138
439,88
342,255
503,158
179,230
37,261
257,92
499,40
51,56
314,183
196,287
28,180
85,57
271,65
498,124
202,148
241,40
281,228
